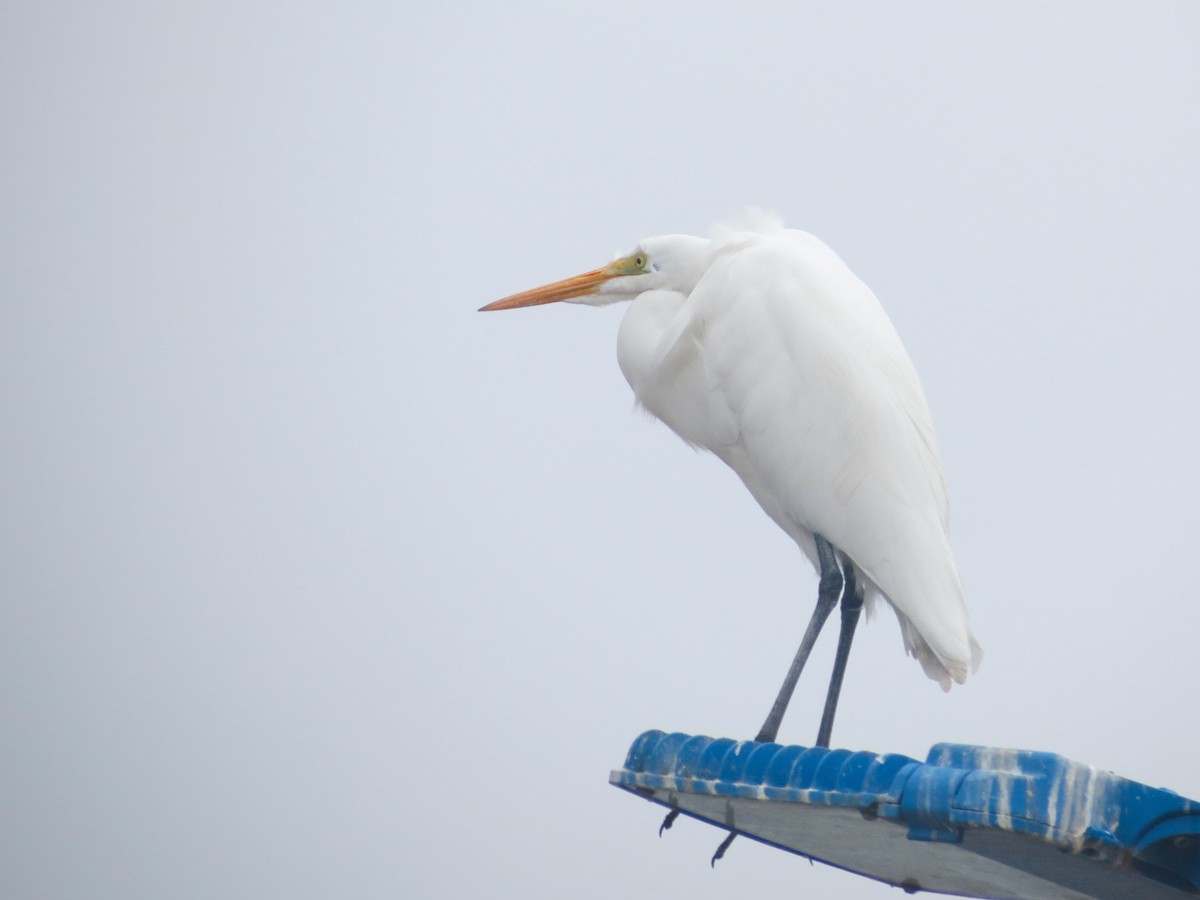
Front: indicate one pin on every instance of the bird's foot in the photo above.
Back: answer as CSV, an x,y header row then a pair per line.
x,y
668,821
721,850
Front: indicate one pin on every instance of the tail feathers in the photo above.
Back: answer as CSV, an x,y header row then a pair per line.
x,y
945,670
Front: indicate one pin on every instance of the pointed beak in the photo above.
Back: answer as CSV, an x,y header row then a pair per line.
x,y
577,286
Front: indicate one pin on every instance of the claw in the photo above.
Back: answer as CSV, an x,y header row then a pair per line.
x,y
721,850
668,821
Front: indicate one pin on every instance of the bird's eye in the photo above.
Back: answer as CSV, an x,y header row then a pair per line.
x,y
640,260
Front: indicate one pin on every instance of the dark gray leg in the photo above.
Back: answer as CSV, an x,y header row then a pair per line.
x,y
827,597
852,602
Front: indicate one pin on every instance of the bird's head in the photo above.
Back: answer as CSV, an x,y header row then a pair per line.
x,y
673,262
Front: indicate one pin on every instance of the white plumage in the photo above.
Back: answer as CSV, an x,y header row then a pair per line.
x,y
762,347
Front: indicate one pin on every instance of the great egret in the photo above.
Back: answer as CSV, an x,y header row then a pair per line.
x,y
762,347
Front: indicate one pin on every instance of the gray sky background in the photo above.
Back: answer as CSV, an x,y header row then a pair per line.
x,y
316,583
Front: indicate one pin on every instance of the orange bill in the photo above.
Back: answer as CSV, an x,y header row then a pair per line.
x,y
577,286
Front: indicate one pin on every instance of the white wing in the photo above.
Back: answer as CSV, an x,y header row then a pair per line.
x,y
784,364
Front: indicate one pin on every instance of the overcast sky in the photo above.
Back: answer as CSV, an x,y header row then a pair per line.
x,y
316,583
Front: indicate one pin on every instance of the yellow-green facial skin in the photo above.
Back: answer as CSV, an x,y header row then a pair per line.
x,y
635,264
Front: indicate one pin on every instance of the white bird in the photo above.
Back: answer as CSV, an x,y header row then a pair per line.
x,y
762,347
